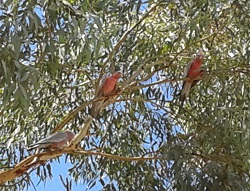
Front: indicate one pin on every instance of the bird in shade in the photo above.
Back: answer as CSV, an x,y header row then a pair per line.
x,y
193,70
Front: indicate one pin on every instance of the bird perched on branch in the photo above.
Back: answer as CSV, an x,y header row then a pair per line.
x,y
108,87
54,141
192,71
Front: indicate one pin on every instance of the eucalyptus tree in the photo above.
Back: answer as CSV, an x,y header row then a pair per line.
x,y
53,55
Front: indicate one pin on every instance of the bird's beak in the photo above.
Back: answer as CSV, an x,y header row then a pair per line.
x,y
121,74
200,53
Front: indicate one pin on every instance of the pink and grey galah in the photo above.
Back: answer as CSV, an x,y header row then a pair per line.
x,y
192,71
108,86
54,141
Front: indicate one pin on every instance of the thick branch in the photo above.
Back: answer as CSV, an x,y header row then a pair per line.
x,y
82,133
70,116
25,165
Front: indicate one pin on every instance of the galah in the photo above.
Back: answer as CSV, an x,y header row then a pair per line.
x,y
56,140
193,70
107,88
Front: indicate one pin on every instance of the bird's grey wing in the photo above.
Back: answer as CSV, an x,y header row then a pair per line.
x,y
103,80
54,138
98,94
187,69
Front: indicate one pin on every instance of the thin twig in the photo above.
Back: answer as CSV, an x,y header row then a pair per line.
x,y
193,43
122,39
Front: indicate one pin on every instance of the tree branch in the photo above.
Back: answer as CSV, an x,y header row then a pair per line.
x,y
82,133
70,116
26,164
132,86
122,39
193,43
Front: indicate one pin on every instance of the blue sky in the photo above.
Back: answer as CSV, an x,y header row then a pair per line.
x,y
55,184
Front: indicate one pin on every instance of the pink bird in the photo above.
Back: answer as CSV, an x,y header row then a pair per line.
x,y
56,140
107,88
192,71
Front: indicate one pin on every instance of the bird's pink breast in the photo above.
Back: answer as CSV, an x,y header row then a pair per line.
x,y
195,68
109,86
59,144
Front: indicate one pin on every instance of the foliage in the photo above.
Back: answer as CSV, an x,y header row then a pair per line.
x,y
53,52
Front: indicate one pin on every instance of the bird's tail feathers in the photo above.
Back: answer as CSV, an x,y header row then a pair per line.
x,y
39,145
94,111
185,90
